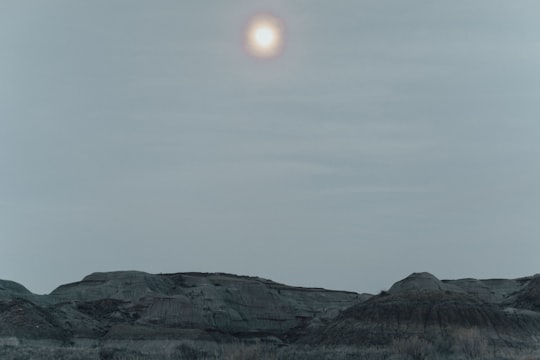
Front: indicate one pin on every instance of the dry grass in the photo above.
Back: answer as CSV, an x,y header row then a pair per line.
x,y
471,343
194,351
466,344
413,348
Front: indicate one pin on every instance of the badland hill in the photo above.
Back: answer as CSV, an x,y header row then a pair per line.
x,y
119,315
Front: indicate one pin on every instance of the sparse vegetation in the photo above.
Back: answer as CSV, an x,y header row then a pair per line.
x,y
413,348
471,343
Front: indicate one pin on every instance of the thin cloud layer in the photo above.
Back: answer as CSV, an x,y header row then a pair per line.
x,y
386,139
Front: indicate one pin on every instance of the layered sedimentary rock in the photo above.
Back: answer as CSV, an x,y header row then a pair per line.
x,y
191,305
423,305
223,307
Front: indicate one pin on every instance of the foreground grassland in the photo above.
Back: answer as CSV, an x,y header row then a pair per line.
x,y
413,348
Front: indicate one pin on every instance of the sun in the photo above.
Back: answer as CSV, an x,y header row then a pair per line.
x,y
264,36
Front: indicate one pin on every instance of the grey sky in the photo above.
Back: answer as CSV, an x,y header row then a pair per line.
x,y
389,137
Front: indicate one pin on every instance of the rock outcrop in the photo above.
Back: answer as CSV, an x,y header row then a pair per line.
x,y
421,282
9,289
527,297
423,305
132,305
219,307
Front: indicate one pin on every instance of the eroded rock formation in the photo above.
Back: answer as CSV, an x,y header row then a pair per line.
x,y
222,307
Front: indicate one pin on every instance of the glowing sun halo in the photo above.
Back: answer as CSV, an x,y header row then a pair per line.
x,y
264,36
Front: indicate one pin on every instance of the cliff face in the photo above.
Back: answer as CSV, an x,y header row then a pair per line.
x,y
223,307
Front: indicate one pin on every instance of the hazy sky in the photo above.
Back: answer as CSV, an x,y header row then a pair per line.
x,y
389,137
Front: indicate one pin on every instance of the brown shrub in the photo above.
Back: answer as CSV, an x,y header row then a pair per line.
x,y
471,343
413,348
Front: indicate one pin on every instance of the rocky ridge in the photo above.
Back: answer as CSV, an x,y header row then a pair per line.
x,y
221,307
138,305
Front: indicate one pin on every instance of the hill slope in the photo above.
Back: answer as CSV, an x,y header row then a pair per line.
x,y
112,307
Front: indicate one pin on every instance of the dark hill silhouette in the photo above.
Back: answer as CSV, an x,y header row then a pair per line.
x,y
223,308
